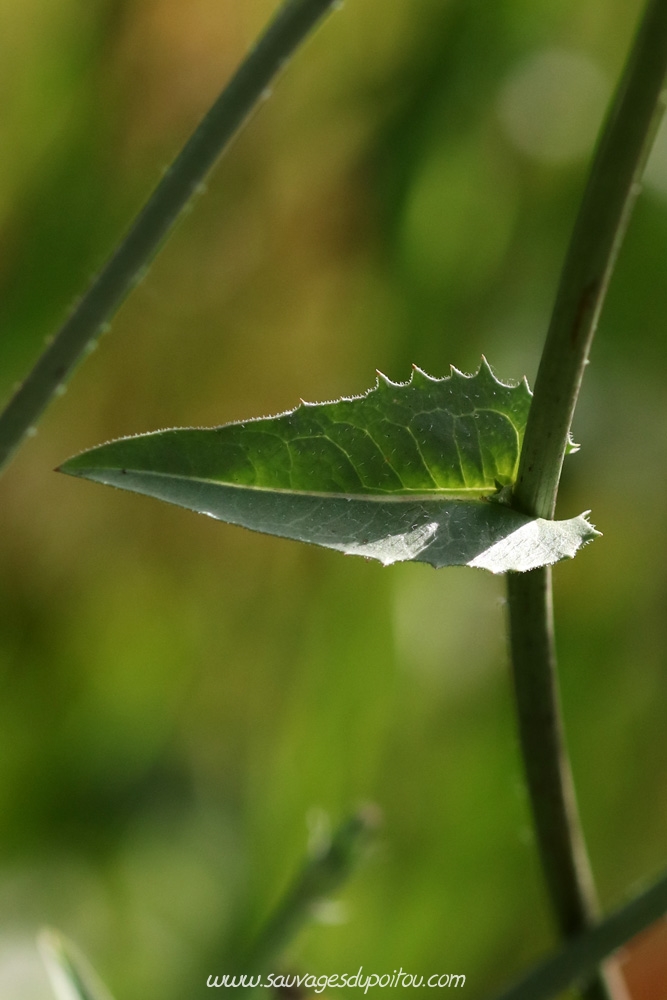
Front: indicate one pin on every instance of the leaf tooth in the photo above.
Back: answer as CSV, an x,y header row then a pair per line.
x,y
455,373
420,377
382,381
485,371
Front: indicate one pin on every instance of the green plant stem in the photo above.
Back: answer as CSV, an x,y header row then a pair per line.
x,y
560,840
578,958
558,834
320,877
127,265
612,187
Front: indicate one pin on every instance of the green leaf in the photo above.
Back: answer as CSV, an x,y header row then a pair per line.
x,y
409,471
71,975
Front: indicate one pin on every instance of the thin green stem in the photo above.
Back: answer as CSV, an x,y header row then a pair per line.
x,y
578,959
320,876
293,22
318,879
610,193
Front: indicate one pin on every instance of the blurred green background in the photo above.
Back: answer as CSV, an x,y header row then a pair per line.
x,y
182,703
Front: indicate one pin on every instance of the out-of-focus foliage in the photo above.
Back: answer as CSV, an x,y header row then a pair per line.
x,y
181,700
71,975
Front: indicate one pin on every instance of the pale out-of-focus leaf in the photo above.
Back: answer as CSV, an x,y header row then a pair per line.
x,y
72,977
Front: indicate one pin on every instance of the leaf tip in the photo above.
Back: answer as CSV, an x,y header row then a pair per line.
x,y
592,531
69,467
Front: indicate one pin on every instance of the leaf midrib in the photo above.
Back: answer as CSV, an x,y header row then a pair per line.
x,y
470,494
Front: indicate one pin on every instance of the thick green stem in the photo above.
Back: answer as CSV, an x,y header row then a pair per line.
x,y
560,840
612,188
605,210
128,263
558,835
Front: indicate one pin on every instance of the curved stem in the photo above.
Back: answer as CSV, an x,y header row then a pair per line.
x,y
128,263
612,187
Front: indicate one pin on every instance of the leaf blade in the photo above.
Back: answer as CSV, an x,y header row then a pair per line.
x,y
322,473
